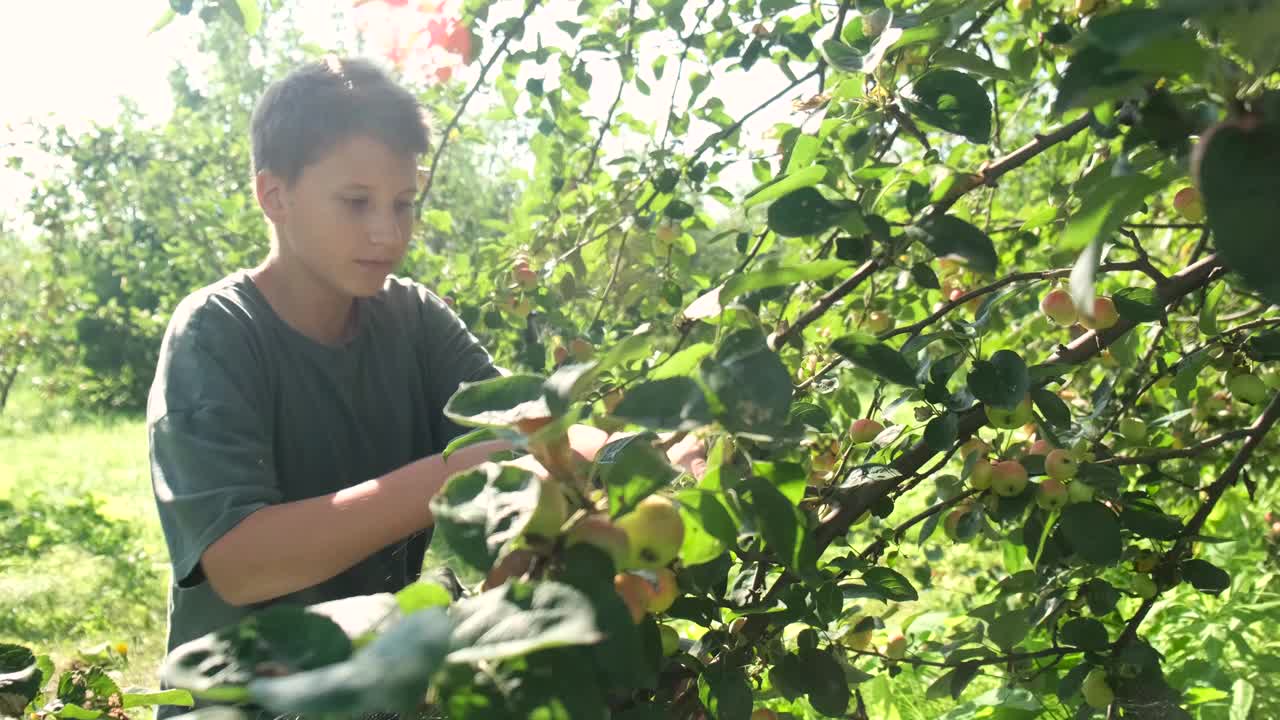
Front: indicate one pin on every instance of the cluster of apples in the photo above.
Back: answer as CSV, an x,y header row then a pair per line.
x,y
514,300
1273,526
1061,310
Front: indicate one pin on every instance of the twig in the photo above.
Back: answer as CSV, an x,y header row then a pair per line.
x,y
826,301
1192,451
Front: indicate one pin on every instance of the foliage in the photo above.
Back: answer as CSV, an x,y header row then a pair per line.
x,y
957,161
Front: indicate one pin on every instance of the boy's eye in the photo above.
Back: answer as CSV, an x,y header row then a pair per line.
x,y
404,206
357,203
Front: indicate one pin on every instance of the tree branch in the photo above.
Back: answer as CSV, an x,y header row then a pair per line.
x,y
1186,452
826,301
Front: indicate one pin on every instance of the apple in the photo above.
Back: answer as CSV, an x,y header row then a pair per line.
x,y
1052,495
763,714
896,647
1097,693
878,322
1009,419
1133,430
826,458
612,399
655,532
550,513
635,592
1022,5
874,22
980,476
1247,388
667,234
859,639
1145,587
1275,530
1146,561
581,349
974,445
1079,491
514,564
1271,377
951,524
1058,307
665,591
524,275
1104,315
864,430
1084,7
1040,447
670,640
599,531
561,354
1060,465
1008,478
1189,204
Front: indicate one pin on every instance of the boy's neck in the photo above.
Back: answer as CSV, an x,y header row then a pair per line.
x,y
306,305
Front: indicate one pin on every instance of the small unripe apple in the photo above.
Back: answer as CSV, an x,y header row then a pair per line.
x,y
514,564
1008,478
1133,430
581,349
858,639
524,275
864,430
1059,464
1009,419
1104,315
878,322
550,513
1247,388
1097,693
1146,561
1040,447
896,647
601,532
763,714
635,592
974,445
670,640
1189,204
667,234
1271,377
1145,587
655,532
1058,307
561,354
1052,495
951,524
665,591
1079,491
1022,5
980,475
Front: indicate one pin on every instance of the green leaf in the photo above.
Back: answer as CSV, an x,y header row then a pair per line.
x,y
1138,304
1002,381
805,414
1081,283
953,683
1051,407
952,101
1242,694
482,510
1101,596
498,402
774,277
1086,634
1093,76
751,384
950,237
1150,524
952,58
676,403
1009,628
620,656
1238,176
518,618
803,212
783,526
924,276
246,13
1093,531
725,693
422,595
1205,576
1208,320
783,184
678,210
1106,206
890,585
181,698
708,527
471,438
823,681
941,432
390,674
841,57
631,469
866,352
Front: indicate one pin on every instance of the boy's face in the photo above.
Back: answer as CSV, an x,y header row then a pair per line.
x,y
347,220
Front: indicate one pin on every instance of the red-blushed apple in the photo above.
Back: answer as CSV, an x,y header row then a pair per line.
x,y
524,275
1189,204
896,646
1096,691
512,565
561,354
601,532
665,590
864,430
1060,465
1058,307
655,532
1008,478
980,475
581,349
951,524
1052,495
635,592
1040,447
1008,419
1104,315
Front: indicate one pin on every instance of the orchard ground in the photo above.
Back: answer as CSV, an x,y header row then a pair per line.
x,y
90,569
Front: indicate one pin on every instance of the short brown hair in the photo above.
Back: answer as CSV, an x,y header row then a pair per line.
x,y
322,103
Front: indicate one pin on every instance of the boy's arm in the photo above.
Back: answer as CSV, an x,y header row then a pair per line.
x,y
276,550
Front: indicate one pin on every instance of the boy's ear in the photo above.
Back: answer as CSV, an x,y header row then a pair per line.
x,y
270,190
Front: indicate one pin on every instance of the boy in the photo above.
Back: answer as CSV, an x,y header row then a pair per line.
x,y
295,419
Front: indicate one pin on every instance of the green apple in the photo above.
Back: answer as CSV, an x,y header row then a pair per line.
x,y
1059,308
1095,689
974,445
980,476
1079,491
1059,464
1271,377
1008,478
878,322
1145,587
896,647
1052,495
550,513
670,640
655,532
864,430
599,531
1146,561
1247,388
1133,430
1009,419
665,590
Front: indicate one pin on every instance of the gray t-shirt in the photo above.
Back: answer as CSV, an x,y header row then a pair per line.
x,y
245,412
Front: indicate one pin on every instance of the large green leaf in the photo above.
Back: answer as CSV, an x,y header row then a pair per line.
x,y
498,402
631,469
708,527
774,277
866,352
1205,576
519,618
676,403
790,182
1239,173
1001,381
725,693
480,511
803,212
783,526
953,101
1105,206
1093,531
950,237
751,384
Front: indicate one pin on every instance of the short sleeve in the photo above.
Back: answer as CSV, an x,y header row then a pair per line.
x,y
209,441
453,355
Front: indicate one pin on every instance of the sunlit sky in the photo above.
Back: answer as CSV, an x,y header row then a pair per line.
x,y
68,61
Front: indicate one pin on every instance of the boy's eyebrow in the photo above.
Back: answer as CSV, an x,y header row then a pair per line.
x,y
362,186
